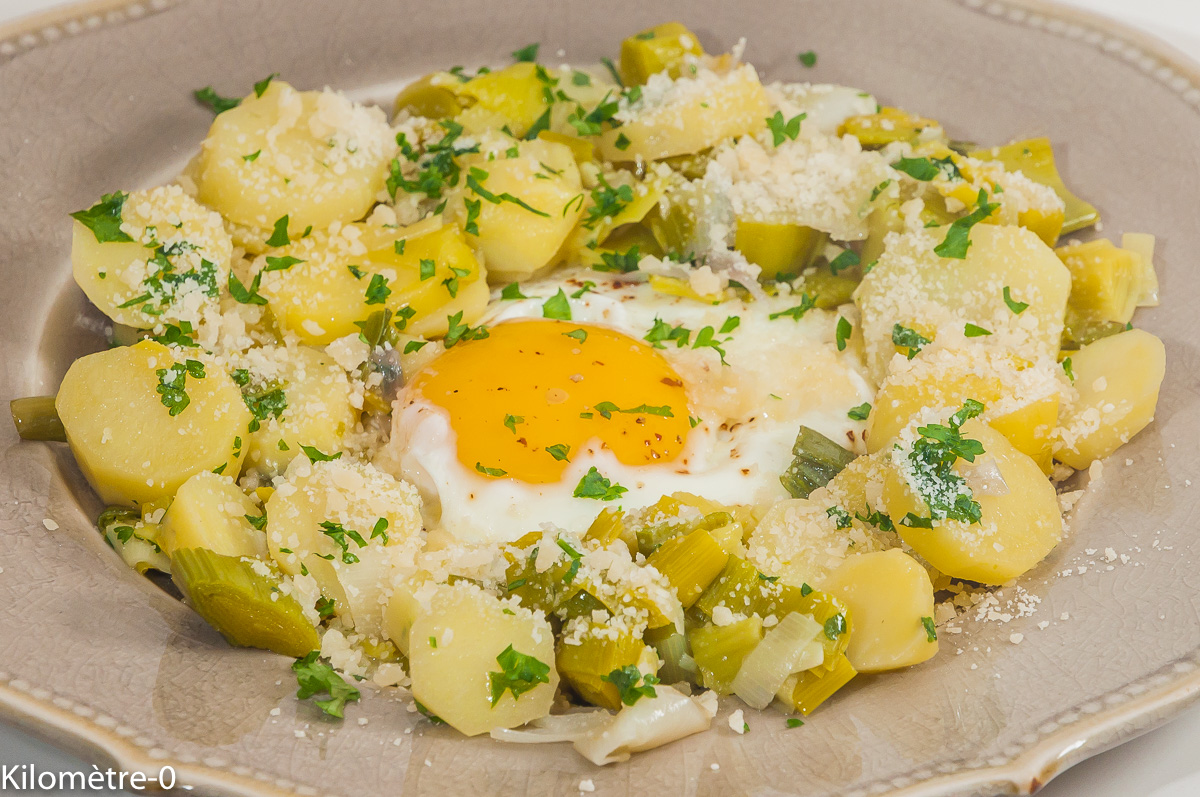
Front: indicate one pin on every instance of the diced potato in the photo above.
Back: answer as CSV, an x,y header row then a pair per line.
x,y
455,662
890,595
312,156
516,241
798,541
1118,380
1020,520
321,298
661,48
586,665
888,125
857,488
1035,159
1022,399
315,522
914,287
171,269
130,447
1105,280
778,249
210,511
697,113
1142,244
318,412
402,611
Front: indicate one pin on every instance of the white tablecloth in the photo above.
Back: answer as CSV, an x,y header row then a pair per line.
x,y
1163,763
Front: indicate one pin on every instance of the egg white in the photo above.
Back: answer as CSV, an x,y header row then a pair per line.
x,y
780,374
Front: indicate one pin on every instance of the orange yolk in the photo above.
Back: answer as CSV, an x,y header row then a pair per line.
x,y
527,399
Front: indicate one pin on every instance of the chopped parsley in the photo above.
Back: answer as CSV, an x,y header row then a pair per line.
x,y
527,54
782,130
922,169
414,345
314,454
486,471
577,334
426,269
261,86
840,516
380,529
471,227
511,421
845,260
475,178
172,383
794,722
622,142
315,677
512,292
557,307
842,333
575,556
958,239
931,463
560,451
178,335
458,332
1014,305
626,678
809,59
1068,370
807,302
662,331
451,282
909,339
215,102
618,262
731,323
262,406
339,534
876,519
518,674
279,236
930,629
607,408
860,412
104,218
594,485
253,156
281,263
835,626
244,295
974,331
607,202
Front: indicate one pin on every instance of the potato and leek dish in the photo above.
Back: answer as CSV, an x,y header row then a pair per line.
x,y
629,386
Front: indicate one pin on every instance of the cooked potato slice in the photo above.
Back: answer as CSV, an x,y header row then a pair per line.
x,y
141,421
689,115
913,287
352,527
1118,380
461,654
165,264
299,397
422,274
524,207
512,97
313,156
210,512
891,597
799,541
1022,399
1020,521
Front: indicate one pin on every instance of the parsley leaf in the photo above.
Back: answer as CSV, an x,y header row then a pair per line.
x,y
518,674
846,259
512,292
860,412
486,471
1015,306
662,331
973,331
909,339
474,206
260,87
244,295
339,534
527,54
270,404
511,421
560,451
578,334
808,58
784,130
618,262
281,263
104,218
279,236
607,202
457,331
1068,370
807,303
172,383
378,290
315,677
958,239
314,454
931,462
842,333
594,485
921,169
626,678
840,516
930,629
557,307
835,626
215,102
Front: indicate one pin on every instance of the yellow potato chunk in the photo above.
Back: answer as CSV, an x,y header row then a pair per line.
x,y
434,96
1106,281
423,274
889,125
513,96
913,287
1118,380
315,397
352,527
689,115
1021,398
458,650
1035,159
313,156
116,407
519,210
780,250
891,597
210,512
661,48
166,263
1020,521
798,540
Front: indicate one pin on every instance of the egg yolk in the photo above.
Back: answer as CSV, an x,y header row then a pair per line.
x,y
525,400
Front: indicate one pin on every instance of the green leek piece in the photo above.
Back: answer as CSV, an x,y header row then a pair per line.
x,y
782,251
689,563
828,290
719,650
1079,332
743,589
581,604
649,538
1106,281
423,98
1035,159
543,592
584,666
815,461
608,527
813,687
785,649
675,227
247,608
663,47
677,663
135,540
36,419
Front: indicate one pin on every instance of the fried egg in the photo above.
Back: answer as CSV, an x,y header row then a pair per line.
x,y
623,395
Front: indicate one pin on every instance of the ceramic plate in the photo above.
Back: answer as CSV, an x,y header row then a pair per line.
x,y
103,662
